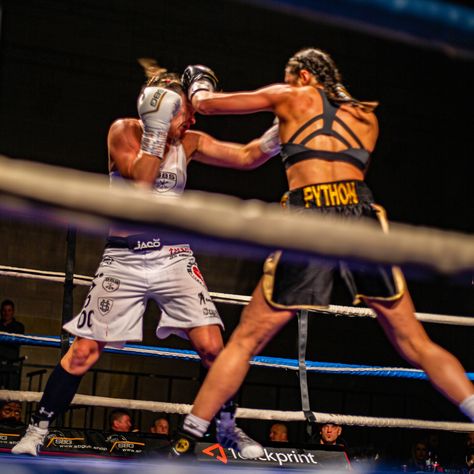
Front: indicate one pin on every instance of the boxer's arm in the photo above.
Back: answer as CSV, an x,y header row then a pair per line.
x,y
157,107
206,149
261,100
123,143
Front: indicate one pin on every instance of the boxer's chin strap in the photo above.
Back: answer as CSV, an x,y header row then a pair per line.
x,y
302,344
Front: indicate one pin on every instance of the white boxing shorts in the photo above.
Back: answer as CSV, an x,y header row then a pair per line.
x,y
132,271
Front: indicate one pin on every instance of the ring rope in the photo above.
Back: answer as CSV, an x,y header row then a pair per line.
x,y
250,413
61,195
83,280
258,361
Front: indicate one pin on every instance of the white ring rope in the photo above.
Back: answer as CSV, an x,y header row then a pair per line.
x,y
250,413
62,195
83,280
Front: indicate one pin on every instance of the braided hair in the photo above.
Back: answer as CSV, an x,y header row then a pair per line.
x,y
322,66
158,76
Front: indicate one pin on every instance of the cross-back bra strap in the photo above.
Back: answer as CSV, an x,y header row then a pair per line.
x,y
304,126
349,131
322,132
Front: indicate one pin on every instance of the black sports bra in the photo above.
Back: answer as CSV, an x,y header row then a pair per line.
x,y
292,153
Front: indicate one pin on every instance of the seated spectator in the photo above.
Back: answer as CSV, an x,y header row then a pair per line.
x,y
10,370
419,456
8,323
120,421
160,426
469,457
10,413
437,454
420,460
470,439
330,435
279,433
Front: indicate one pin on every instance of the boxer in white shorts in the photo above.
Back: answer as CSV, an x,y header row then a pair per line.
x,y
127,279
154,152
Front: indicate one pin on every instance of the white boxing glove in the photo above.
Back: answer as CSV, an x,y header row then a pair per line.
x,y
270,141
157,107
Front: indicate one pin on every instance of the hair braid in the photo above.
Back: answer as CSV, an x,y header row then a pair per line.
x,y
322,66
159,76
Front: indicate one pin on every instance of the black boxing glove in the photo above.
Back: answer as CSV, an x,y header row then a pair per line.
x,y
198,78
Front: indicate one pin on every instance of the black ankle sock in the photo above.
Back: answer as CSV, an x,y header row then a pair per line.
x,y
229,407
57,396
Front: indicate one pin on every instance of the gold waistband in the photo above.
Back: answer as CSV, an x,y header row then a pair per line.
x,y
338,193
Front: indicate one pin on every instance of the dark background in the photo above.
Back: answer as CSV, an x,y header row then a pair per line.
x,y
69,69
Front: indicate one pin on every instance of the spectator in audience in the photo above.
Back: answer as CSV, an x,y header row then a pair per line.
x,y
120,421
8,323
470,440
419,456
279,433
10,413
469,454
422,460
10,351
160,426
329,435
437,453
469,459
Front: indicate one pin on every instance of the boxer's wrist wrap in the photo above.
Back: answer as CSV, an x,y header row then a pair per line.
x,y
154,142
270,141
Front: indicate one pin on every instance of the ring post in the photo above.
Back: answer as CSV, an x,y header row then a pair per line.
x,y
68,286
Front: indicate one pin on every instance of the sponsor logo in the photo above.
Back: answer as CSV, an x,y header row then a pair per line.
x,y
148,244
4,436
58,438
105,305
290,457
107,260
121,442
42,411
210,313
55,434
62,441
166,181
115,437
203,299
194,271
111,284
330,194
182,445
156,98
179,251
222,457
125,445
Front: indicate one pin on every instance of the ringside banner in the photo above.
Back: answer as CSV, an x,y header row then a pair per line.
x,y
286,457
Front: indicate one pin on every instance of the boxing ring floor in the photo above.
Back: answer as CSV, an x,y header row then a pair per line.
x,y
23,464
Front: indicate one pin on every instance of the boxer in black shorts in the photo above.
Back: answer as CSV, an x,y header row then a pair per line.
x,y
308,284
326,137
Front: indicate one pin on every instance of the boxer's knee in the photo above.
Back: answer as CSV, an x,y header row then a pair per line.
x,y
81,356
207,340
209,352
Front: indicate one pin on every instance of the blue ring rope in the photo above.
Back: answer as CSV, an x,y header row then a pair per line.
x,y
262,361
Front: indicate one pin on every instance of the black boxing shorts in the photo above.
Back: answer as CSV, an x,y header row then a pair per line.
x,y
308,284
